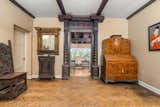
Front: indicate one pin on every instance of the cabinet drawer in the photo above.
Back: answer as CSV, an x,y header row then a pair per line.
x,y
121,77
122,67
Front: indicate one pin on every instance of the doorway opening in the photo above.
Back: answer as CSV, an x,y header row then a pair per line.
x,y
20,49
80,54
81,32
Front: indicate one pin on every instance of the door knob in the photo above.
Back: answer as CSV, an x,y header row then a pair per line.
x,y
23,58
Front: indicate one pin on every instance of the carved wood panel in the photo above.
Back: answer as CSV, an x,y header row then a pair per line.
x,y
89,25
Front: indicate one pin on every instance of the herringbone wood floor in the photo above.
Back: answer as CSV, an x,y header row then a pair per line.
x,y
83,92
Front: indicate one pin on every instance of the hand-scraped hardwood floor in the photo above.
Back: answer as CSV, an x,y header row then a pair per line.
x,y
83,92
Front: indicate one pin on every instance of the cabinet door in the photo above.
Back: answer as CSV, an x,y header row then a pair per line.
x,y
46,67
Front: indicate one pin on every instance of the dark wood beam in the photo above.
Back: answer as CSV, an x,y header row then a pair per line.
x,y
98,18
22,8
61,6
141,8
102,6
63,18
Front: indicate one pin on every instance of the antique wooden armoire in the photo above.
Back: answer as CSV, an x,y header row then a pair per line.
x,y
117,63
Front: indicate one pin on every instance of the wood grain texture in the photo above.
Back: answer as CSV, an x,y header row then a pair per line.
x,y
83,92
12,83
117,63
46,67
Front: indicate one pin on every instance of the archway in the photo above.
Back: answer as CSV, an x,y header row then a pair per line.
x,y
88,24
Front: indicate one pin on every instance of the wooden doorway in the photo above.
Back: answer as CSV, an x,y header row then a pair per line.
x,y
81,26
80,53
19,49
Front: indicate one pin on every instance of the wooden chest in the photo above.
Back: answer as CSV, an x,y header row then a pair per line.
x,y
117,63
12,85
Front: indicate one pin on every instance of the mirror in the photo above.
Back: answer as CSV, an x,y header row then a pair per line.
x,y
48,40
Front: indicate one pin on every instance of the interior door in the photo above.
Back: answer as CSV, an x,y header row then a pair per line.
x,y
19,51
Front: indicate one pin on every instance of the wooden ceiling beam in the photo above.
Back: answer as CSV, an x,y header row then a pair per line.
x,y
141,8
22,8
61,6
102,6
63,18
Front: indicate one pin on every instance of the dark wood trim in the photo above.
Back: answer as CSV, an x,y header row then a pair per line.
x,y
94,51
63,18
91,25
61,6
79,18
102,6
10,46
98,18
22,8
83,19
141,8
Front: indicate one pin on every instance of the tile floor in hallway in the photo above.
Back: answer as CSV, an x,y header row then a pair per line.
x,y
83,92
80,72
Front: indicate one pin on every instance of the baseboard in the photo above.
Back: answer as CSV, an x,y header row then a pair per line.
x,y
29,77
149,87
58,76
36,76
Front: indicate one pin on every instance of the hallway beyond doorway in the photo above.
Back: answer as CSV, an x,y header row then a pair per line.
x,y
80,54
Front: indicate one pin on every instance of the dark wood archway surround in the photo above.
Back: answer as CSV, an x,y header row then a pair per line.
x,y
80,22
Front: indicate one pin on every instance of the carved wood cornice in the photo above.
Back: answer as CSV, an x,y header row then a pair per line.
x,y
63,18
48,30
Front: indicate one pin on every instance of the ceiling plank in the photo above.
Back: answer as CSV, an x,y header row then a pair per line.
x,y
141,8
102,6
61,6
22,8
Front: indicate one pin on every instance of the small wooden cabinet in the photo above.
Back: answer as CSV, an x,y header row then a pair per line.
x,y
46,67
117,62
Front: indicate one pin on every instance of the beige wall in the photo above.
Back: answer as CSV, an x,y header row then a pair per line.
x,y
106,29
149,62
48,22
111,26
10,15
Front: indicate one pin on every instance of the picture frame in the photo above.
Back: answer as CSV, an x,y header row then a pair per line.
x,y
154,37
52,45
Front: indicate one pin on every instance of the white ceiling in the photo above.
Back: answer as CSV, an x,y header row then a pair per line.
x,y
114,8
122,8
41,8
81,7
